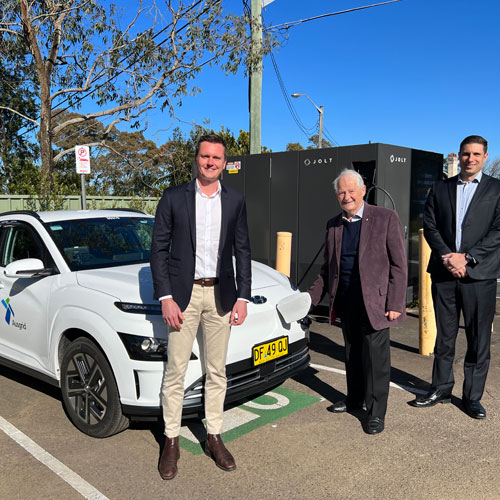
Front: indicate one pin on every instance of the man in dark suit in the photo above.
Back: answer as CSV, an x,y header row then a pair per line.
x,y
462,227
197,228
365,273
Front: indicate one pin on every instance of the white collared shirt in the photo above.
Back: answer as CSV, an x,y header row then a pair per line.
x,y
356,217
465,192
208,226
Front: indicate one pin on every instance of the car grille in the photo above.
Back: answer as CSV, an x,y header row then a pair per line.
x,y
243,377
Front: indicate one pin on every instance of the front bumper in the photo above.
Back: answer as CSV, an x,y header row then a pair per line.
x,y
243,380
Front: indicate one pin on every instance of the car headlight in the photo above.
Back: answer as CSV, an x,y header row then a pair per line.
x,y
130,307
146,348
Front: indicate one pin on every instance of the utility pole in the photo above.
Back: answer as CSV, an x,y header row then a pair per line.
x,y
256,77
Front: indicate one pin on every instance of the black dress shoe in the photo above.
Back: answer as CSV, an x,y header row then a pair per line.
x,y
375,425
474,408
431,398
343,406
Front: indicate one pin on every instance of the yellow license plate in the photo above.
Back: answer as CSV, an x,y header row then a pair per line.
x,y
270,350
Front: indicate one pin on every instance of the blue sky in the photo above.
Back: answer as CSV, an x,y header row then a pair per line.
x,y
418,73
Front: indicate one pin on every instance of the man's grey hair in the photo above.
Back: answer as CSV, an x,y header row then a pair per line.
x,y
344,173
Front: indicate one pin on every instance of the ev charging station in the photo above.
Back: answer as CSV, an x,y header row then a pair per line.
x,y
292,191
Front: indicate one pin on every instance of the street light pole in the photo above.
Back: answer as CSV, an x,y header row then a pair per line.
x,y
320,111
320,136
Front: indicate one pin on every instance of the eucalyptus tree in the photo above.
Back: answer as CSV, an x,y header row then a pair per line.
x,y
100,61
17,151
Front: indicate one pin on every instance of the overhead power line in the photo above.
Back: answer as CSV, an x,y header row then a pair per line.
x,y
329,136
300,21
96,88
307,131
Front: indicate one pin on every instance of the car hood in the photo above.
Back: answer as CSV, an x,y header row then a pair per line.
x,y
134,283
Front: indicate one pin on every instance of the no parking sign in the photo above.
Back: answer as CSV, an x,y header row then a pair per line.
x,y
82,159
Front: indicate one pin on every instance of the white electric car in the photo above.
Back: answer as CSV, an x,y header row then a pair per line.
x,y
78,312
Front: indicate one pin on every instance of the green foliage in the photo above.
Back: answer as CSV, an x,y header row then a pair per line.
x,y
123,163
17,151
314,140
136,203
17,174
179,151
294,146
47,192
117,62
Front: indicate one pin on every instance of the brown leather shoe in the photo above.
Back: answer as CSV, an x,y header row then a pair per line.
x,y
169,457
214,447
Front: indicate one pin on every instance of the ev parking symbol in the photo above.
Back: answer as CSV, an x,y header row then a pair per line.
x,y
263,410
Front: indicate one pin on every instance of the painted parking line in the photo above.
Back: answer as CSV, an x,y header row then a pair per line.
x,y
72,478
392,384
265,409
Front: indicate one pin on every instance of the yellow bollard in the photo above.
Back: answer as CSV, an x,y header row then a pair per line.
x,y
283,252
427,323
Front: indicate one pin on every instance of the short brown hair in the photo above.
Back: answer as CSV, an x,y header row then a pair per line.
x,y
214,139
475,139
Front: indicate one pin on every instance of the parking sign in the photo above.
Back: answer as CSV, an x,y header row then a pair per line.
x,y
82,159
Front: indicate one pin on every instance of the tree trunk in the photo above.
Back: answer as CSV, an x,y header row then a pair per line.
x,y
44,72
46,133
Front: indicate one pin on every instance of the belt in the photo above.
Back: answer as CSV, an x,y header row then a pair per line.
x,y
207,281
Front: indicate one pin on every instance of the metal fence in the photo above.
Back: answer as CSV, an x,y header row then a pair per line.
x,y
12,202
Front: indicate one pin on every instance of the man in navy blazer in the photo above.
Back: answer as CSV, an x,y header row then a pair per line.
x,y
198,227
365,274
462,227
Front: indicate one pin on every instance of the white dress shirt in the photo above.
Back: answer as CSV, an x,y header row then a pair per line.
x,y
208,224
465,192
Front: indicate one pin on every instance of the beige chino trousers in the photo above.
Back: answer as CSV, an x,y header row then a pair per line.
x,y
204,308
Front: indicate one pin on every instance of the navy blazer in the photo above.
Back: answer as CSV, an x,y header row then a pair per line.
x,y
480,234
173,249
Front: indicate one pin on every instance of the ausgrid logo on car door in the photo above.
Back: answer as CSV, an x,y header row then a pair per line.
x,y
9,312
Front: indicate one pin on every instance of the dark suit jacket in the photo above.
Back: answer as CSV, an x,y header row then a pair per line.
x,y
382,265
173,249
480,234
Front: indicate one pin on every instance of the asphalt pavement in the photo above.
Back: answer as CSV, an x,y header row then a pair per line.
x,y
307,453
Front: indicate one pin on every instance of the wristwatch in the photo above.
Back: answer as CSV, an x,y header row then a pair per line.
x,y
469,258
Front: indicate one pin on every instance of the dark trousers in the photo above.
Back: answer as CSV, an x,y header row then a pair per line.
x,y
476,300
368,360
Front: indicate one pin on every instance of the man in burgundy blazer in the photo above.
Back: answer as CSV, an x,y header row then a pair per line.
x,y
365,273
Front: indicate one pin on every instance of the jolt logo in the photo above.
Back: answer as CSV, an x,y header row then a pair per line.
x,y
9,311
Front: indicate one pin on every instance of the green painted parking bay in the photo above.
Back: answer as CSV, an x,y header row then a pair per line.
x,y
265,409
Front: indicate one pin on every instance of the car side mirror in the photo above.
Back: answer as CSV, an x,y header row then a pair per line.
x,y
25,268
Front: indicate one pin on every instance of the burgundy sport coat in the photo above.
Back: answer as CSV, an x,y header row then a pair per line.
x,y
382,266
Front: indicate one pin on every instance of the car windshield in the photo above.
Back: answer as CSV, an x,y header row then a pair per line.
x,y
103,242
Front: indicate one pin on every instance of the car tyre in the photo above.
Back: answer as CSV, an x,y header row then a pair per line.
x,y
89,391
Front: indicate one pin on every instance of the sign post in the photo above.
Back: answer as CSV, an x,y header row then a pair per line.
x,y
83,167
